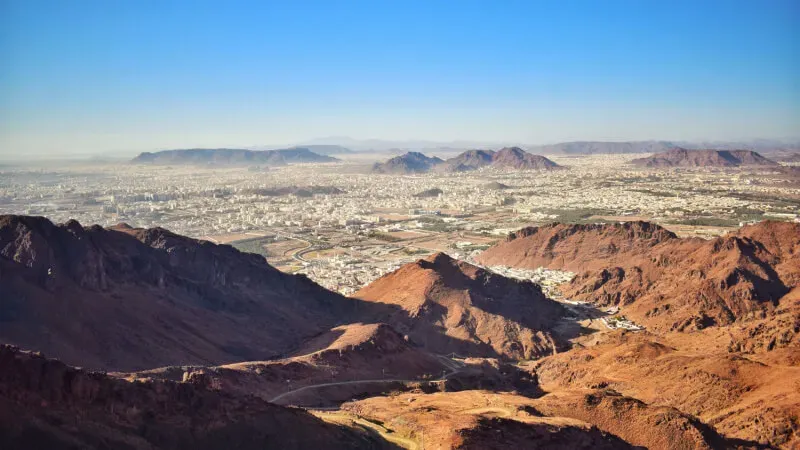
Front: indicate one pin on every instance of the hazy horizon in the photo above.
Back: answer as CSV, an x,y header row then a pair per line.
x,y
98,78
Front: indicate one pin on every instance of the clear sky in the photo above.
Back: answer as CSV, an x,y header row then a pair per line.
x,y
108,76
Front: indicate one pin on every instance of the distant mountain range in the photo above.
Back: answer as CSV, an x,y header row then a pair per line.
x,y
597,147
507,158
681,157
232,156
562,148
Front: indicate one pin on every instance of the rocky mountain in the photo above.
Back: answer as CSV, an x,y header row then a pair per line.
x,y
660,280
143,298
509,158
411,162
231,156
468,161
518,159
576,247
681,157
46,404
453,306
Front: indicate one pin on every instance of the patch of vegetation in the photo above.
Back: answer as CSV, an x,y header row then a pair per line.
x,y
255,245
654,193
580,215
381,236
781,202
707,222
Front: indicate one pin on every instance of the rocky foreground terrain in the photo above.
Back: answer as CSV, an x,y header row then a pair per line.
x,y
182,343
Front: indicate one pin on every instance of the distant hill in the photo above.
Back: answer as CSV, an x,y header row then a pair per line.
x,y
681,157
469,160
516,158
597,147
507,158
327,150
411,162
232,156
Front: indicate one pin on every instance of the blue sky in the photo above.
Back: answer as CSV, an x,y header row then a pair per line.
x,y
115,76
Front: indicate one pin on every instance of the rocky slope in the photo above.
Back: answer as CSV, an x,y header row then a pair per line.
x,y
231,156
681,157
660,280
741,398
570,419
692,285
131,299
451,306
348,352
576,247
46,404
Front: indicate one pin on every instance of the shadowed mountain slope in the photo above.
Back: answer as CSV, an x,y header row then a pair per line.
x,y
129,299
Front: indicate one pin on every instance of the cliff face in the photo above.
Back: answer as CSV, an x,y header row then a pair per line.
x,y
452,306
46,404
143,298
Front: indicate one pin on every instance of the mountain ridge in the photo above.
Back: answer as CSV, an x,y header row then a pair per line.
x,y
232,156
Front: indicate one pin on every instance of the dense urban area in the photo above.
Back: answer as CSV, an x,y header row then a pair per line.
x,y
344,226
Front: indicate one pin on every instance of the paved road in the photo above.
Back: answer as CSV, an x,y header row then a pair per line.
x,y
452,365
